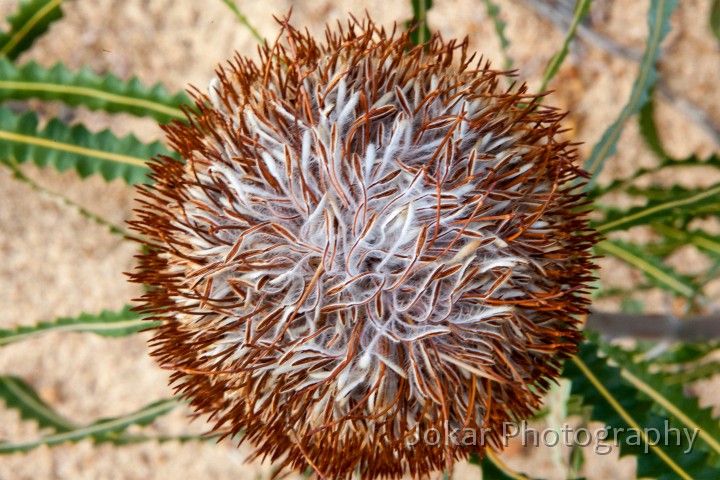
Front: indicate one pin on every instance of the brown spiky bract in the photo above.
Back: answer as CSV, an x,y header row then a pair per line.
x,y
366,241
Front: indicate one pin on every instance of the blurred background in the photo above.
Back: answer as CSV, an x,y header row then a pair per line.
x,y
54,262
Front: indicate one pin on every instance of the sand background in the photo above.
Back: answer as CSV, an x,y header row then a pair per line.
x,y
57,263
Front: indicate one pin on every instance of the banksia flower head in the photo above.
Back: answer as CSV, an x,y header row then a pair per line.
x,y
372,255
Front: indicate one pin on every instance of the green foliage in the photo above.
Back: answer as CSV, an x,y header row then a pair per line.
x,y
110,324
32,19
106,92
715,19
105,430
421,32
19,396
494,468
710,244
493,11
692,373
664,210
670,400
679,364
664,163
581,10
659,26
75,147
661,275
662,206
684,354
616,402
648,128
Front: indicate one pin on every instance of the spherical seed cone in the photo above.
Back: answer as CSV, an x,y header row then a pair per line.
x,y
371,255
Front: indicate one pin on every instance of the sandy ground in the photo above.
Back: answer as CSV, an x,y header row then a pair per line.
x,y
57,263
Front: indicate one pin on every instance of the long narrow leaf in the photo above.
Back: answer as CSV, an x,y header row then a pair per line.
x,y
421,34
32,19
710,244
110,324
667,162
659,25
672,202
648,128
493,11
715,19
105,430
618,404
19,396
106,92
680,353
692,374
673,402
652,267
684,411
581,10
125,439
75,147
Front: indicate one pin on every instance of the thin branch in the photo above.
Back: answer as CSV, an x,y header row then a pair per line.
x,y
698,328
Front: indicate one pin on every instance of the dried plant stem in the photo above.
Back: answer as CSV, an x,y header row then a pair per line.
x,y
655,327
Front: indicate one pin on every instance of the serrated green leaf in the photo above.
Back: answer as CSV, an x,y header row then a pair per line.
x,y
709,244
20,396
126,439
692,374
662,249
683,411
493,11
106,92
582,8
659,25
421,33
110,324
667,162
616,403
656,193
652,267
680,353
665,205
673,403
105,430
32,19
75,147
